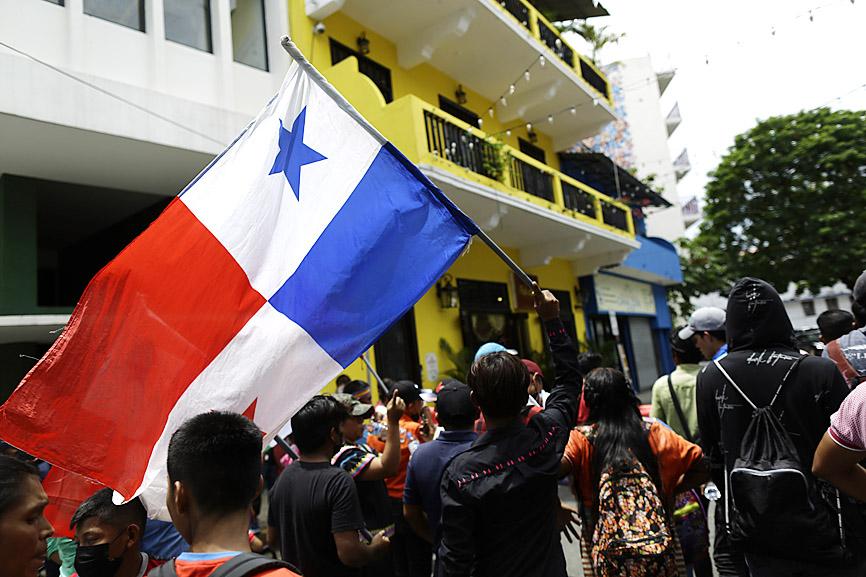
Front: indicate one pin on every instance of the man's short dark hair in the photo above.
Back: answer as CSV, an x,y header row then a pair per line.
x,y
218,457
312,425
588,361
100,506
834,324
500,383
719,335
342,380
685,350
13,473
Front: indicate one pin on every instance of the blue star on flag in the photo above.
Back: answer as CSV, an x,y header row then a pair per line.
x,y
294,153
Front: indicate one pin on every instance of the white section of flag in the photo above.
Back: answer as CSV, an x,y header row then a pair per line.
x,y
271,359
256,215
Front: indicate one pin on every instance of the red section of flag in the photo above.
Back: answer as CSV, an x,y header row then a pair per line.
x,y
65,491
250,413
145,327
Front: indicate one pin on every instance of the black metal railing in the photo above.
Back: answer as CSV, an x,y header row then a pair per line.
x,y
614,216
578,199
594,79
530,179
552,40
451,142
517,9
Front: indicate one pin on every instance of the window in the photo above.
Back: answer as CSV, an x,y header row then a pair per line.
x,y
129,13
249,39
188,22
458,111
530,149
380,75
832,304
808,308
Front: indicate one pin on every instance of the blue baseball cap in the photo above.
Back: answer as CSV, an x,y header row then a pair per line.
x,y
488,348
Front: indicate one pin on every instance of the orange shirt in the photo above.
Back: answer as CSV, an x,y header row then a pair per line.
x,y
408,435
204,567
675,456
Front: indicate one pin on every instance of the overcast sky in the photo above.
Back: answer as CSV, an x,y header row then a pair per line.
x,y
752,73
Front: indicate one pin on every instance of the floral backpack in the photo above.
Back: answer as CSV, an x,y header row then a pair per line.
x,y
632,535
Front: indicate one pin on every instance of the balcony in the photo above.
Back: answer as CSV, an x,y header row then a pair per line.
x,y
486,45
521,202
464,146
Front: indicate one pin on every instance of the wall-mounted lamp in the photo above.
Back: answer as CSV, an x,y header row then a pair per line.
x,y
363,43
448,293
460,94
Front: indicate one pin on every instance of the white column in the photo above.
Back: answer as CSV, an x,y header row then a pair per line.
x,y
154,27
221,29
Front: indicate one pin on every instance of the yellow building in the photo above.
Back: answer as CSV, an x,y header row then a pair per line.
x,y
481,95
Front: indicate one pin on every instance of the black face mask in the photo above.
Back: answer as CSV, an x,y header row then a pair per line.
x,y
93,561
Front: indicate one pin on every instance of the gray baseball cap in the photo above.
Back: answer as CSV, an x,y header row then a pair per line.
x,y
703,319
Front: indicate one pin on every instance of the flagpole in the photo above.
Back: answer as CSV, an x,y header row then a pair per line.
x,y
378,378
521,274
323,83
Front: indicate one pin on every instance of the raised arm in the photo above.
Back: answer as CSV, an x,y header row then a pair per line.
x,y
388,463
561,405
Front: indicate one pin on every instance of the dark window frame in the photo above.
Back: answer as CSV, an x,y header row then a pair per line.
x,y
209,29
379,74
142,27
267,67
457,111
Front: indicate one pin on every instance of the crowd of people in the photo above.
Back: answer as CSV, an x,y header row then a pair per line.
x,y
748,426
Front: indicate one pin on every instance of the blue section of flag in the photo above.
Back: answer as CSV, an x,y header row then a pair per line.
x,y
391,240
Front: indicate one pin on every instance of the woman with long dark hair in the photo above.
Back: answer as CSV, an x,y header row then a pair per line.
x,y
625,471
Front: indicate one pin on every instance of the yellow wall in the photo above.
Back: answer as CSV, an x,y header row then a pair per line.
x,y
481,264
424,81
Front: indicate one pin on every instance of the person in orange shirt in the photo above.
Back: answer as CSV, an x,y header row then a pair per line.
x,y
214,473
614,439
412,555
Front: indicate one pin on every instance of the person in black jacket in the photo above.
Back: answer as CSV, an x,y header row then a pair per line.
x,y
762,349
500,507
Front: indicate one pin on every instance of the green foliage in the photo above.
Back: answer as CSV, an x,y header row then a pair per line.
x,y
494,164
784,205
461,360
596,37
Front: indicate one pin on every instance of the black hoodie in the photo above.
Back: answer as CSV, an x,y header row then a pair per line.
x,y
761,349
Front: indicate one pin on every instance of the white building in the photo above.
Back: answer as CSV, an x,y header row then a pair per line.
x,y
651,115
108,108
804,309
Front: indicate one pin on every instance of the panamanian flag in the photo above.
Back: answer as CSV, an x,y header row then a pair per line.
x,y
273,270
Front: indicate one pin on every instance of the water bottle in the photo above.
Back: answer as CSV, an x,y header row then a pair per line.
x,y
712,492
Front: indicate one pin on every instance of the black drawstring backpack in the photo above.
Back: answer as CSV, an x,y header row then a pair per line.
x,y
772,504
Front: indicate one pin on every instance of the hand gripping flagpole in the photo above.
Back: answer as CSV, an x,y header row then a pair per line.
x,y
323,83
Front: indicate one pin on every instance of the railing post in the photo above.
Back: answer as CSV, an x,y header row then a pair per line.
x,y
596,203
558,198
533,22
629,219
